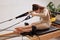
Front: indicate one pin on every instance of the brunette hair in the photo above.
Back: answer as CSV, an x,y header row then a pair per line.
x,y
36,7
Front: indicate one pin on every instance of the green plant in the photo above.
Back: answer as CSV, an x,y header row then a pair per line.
x,y
51,7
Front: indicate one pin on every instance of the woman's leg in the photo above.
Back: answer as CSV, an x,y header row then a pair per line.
x,y
23,29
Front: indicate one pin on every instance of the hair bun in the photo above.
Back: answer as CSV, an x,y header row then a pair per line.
x,y
35,5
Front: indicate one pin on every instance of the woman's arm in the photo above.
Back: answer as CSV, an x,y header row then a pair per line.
x,y
46,19
41,14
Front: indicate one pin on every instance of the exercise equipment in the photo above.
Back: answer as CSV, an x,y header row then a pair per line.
x,y
52,32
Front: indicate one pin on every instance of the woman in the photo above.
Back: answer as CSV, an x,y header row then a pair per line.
x,y
43,24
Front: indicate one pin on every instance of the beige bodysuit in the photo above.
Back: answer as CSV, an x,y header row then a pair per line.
x,y
44,20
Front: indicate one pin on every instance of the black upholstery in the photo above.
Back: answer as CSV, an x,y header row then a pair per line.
x,y
57,22
41,32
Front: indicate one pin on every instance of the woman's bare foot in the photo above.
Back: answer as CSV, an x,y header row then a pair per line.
x,y
23,29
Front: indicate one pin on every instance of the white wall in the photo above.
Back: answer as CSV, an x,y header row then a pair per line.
x,y
56,2
45,2
12,8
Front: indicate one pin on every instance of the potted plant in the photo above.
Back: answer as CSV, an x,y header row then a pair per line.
x,y
52,9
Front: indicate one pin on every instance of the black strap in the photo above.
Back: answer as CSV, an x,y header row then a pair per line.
x,y
25,14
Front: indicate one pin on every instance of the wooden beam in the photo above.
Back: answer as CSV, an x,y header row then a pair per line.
x,y
35,37
46,36
8,35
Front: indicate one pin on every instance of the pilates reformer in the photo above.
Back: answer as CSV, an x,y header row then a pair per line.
x,y
52,32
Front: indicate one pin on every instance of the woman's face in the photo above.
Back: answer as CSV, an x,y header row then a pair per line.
x,y
38,11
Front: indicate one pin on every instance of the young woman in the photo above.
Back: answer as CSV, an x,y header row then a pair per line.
x,y
43,24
